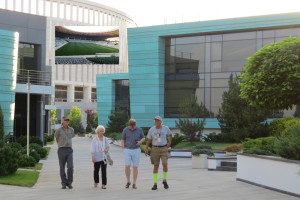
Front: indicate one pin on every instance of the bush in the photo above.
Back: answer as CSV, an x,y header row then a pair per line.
x,y
117,121
287,145
114,136
202,146
197,152
214,137
76,120
258,152
177,138
23,140
49,137
40,150
88,128
26,161
190,128
279,126
8,160
35,155
266,144
234,148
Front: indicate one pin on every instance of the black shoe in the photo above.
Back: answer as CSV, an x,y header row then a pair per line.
x,y
70,186
63,187
166,186
127,185
154,187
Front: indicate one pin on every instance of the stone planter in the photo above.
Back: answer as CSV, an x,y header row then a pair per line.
x,y
270,172
199,162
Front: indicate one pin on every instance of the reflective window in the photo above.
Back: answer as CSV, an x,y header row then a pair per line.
x,y
61,93
78,94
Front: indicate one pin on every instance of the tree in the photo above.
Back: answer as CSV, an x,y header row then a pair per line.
x,y
237,119
53,117
1,124
76,120
190,128
271,76
90,118
189,107
117,121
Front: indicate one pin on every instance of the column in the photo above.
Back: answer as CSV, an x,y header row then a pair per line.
x,y
87,93
51,8
71,11
89,17
77,16
58,9
207,74
94,17
71,93
14,5
22,5
29,7
65,10
37,7
6,4
44,7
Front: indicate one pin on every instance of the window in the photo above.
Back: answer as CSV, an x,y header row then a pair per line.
x,y
122,99
27,58
94,95
235,53
78,94
61,93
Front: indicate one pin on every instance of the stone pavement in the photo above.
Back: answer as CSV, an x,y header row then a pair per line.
x,y
185,182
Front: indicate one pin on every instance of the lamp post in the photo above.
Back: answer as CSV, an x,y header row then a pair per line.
x,y
28,110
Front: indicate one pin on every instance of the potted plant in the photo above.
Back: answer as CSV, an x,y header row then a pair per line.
x,y
199,156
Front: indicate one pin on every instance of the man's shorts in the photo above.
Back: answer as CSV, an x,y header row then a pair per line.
x,y
132,157
159,153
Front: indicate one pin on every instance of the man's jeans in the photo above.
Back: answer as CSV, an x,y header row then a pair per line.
x,y
65,156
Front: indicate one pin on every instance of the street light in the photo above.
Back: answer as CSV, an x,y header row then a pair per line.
x,y
28,110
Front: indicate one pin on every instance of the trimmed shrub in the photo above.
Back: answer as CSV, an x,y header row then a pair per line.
x,y
49,137
40,150
202,146
279,126
287,145
88,128
266,144
8,160
26,161
214,137
234,148
177,138
197,152
258,152
23,140
35,155
190,128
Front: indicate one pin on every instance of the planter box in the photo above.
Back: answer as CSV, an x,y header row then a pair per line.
x,y
270,172
199,162
181,153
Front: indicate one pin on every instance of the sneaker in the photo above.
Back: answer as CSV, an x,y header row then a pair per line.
x,y
95,185
70,186
103,187
127,185
63,187
134,186
154,187
166,186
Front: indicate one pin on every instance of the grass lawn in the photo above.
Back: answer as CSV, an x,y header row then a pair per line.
x,y
25,178
37,166
78,48
214,145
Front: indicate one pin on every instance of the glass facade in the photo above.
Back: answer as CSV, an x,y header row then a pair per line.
x,y
122,99
93,95
200,66
27,58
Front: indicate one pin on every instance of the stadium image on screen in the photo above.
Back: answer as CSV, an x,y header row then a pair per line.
x,y
86,45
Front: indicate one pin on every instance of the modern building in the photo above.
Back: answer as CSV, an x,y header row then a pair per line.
x,y
34,21
170,62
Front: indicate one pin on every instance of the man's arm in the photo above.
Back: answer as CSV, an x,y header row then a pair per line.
x,y
123,139
56,135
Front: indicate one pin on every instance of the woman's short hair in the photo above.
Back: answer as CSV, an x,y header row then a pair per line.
x,y
99,127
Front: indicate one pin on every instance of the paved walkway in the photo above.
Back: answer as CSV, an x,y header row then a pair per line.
x,y
185,182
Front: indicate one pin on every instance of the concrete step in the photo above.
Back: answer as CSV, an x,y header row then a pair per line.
x,y
226,168
228,164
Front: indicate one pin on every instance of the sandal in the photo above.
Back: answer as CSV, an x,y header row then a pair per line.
x,y
134,186
127,185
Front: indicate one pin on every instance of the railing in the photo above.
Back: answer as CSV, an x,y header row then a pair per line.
x,y
34,77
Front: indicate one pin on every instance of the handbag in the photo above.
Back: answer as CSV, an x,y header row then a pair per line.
x,y
109,159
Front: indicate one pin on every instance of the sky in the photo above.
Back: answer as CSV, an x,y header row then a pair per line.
x,y
154,12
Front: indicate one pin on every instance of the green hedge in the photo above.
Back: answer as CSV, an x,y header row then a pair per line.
x,y
279,126
287,145
105,60
8,159
263,145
